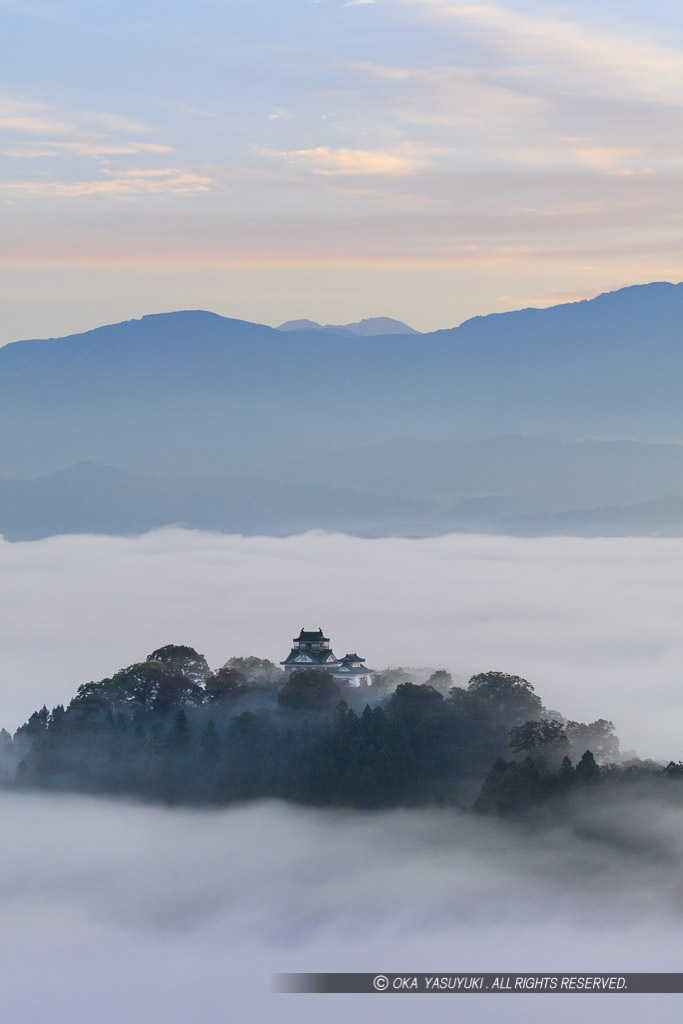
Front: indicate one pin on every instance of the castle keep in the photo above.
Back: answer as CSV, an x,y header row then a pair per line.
x,y
311,649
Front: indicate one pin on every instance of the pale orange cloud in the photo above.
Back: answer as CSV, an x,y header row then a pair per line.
x,y
34,125
133,181
323,160
85,148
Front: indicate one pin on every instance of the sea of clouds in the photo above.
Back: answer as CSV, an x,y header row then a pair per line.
x,y
594,624
112,912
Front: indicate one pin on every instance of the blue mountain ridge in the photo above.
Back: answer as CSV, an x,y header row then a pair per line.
x,y
192,392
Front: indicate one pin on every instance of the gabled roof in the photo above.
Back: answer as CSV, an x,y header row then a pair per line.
x,y
303,658
353,657
311,637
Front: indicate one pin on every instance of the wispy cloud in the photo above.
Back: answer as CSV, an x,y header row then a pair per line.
x,y
540,134
55,147
114,122
78,133
134,181
577,153
572,54
450,96
323,160
535,91
30,116
26,124
88,135
381,70
188,108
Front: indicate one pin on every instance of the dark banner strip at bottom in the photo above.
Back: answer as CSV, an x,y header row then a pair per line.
x,y
469,983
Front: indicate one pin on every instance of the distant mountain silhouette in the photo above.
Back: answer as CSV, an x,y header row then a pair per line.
x,y
90,498
661,517
193,393
368,328
540,473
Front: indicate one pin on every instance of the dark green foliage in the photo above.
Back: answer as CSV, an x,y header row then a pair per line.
x,y
515,786
56,718
533,735
511,786
210,742
546,737
387,681
182,661
225,684
409,701
596,736
587,771
566,773
148,686
8,757
37,724
152,731
512,697
309,689
258,672
249,757
441,681
178,738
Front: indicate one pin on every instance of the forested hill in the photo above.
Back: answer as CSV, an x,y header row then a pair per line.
x,y
170,729
192,392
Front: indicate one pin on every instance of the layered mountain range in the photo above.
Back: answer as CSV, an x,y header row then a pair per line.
x,y
565,419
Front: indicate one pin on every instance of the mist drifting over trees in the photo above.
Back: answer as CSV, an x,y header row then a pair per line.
x,y
170,729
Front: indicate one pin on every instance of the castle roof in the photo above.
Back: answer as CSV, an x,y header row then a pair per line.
x,y
311,637
303,658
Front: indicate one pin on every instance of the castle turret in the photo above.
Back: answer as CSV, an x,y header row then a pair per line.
x,y
352,670
310,649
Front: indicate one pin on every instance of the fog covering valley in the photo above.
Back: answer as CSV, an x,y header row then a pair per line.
x,y
163,916
593,624
359,320
370,486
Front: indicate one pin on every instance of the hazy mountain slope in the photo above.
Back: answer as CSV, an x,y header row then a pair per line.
x,y
662,517
541,473
89,498
191,392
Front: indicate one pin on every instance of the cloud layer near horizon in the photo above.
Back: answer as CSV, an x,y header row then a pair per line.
x,y
594,624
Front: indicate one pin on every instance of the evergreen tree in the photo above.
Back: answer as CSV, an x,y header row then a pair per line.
x,y
587,771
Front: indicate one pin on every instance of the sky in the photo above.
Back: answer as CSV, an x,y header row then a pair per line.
x,y
423,159
593,624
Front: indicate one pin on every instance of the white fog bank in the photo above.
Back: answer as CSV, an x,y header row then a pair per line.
x,y
112,912
594,624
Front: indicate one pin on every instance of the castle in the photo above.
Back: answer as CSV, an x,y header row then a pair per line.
x,y
311,649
